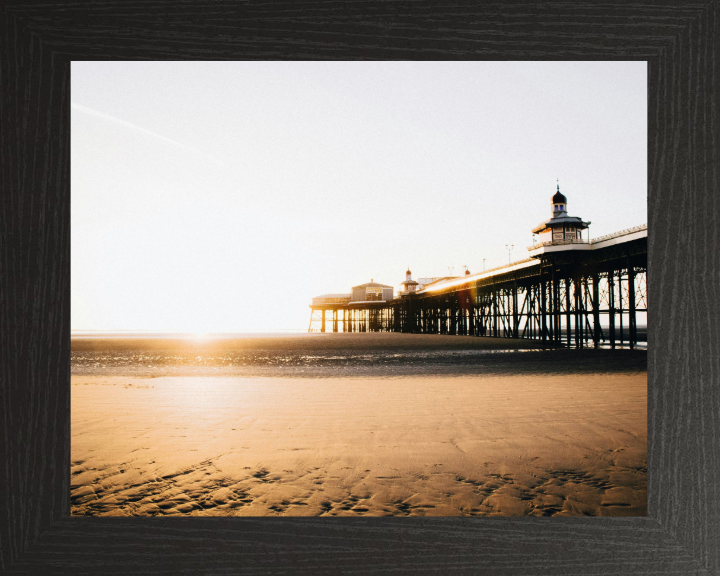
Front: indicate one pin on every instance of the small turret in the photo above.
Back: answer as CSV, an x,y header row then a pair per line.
x,y
560,229
409,285
559,204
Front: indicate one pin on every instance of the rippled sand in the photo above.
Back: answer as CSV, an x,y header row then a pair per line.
x,y
456,432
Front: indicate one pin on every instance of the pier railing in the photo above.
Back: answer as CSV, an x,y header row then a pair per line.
x,y
559,242
625,232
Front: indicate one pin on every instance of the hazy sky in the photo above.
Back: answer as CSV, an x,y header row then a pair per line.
x,y
223,196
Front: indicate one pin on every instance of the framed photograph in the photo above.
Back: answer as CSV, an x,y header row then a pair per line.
x,y
209,201
180,431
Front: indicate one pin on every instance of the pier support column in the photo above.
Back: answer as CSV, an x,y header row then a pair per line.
x,y
322,322
495,312
516,319
543,308
453,315
470,320
553,312
620,303
578,315
568,311
596,309
558,311
631,305
611,303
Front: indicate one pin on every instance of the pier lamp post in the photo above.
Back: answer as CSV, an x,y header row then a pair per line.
x,y
509,249
483,264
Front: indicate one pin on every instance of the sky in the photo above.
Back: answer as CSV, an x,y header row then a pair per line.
x,y
223,196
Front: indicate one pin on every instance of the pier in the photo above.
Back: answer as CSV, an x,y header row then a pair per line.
x,y
571,291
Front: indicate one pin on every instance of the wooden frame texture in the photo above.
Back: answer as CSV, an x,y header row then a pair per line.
x,y
680,42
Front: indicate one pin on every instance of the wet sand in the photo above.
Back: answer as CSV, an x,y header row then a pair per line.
x,y
367,426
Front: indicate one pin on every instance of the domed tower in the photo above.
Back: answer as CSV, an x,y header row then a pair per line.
x,y
409,285
560,230
559,203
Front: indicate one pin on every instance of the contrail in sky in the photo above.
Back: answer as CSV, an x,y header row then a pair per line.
x,y
109,118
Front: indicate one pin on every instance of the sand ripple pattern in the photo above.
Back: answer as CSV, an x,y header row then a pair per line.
x,y
202,490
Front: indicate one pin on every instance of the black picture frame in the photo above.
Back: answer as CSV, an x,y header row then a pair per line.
x,y
680,42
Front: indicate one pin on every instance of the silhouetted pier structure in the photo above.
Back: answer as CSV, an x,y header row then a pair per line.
x,y
571,291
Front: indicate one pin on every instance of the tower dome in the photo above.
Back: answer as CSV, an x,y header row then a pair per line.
x,y
559,203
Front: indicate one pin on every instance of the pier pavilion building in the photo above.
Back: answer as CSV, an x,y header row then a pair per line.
x,y
561,229
372,292
363,309
408,286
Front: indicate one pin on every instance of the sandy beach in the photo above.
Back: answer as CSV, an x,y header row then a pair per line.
x,y
356,424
